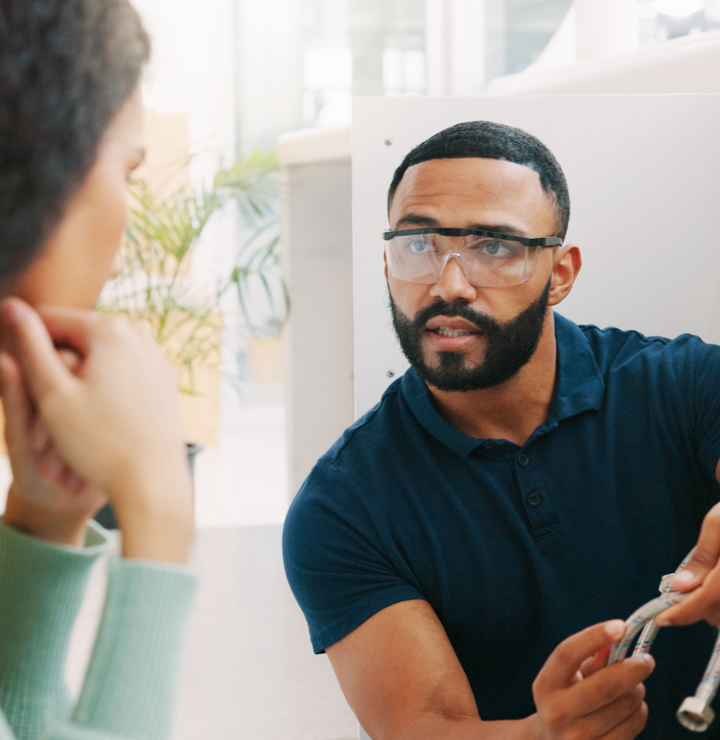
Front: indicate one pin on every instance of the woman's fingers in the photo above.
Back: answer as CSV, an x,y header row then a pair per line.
x,y
33,347
39,436
52,468
70,359
18,412
111,411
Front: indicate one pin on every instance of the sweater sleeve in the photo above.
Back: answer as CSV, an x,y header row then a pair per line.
x,y
41,589
130,683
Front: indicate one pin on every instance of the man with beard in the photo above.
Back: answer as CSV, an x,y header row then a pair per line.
x,y
464,551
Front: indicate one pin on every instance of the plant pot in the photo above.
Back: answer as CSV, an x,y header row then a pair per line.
x,y
106,516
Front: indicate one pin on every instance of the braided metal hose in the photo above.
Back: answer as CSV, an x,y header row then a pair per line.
x,y
695,712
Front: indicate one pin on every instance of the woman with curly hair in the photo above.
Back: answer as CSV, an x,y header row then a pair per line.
x,y
89,402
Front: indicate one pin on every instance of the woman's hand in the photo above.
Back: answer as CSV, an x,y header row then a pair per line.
x,y
114,421
46,498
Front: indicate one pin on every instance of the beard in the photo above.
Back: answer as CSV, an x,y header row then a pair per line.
x,y
509,346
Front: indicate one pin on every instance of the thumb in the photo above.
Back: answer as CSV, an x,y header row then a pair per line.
x,y
560,669
705,555
42,369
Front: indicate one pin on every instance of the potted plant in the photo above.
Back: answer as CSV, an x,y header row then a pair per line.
x,y
156,286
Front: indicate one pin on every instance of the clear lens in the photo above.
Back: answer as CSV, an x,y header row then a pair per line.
x,y
486,262
414,258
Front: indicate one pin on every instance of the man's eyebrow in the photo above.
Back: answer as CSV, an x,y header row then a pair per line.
x,y
501,228
414,219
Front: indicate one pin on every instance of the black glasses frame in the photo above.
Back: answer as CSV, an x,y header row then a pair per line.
x,y
545,241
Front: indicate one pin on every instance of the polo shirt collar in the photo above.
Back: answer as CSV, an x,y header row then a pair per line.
x,y
579,387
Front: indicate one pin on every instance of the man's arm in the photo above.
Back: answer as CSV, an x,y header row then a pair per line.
x,y
696,368
403,680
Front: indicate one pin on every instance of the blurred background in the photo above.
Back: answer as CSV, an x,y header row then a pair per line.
x,y
227,78
239,256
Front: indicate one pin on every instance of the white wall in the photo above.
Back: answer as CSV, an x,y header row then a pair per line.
x,y
643,177
684,65
192,71
317,262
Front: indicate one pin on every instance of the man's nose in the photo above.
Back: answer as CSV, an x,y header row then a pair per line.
x,y
453,283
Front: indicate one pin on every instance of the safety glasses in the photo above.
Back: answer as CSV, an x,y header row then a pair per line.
x,y
487,258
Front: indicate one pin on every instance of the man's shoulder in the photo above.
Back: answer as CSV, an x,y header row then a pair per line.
x,y
614,347
355,467
370,431
377,448
613,337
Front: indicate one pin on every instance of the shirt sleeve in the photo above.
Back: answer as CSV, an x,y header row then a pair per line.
x,y
697,370
130,683
337,560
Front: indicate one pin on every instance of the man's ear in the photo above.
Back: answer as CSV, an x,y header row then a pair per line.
x,y
567,262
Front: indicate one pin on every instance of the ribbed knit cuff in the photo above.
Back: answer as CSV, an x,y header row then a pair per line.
x,y
42,585
130,685
65,731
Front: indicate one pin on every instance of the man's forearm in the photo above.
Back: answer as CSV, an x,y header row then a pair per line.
x,y
471,728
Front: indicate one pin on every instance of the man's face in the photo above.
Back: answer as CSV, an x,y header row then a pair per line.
x,y
457,336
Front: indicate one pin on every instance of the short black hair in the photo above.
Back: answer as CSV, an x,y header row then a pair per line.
x,y
489,140
66,68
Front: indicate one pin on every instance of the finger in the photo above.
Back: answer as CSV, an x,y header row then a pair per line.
x,y
610,716
612,682
52,468
705,555
41,367
568,656
70,359
594,664
39,436
631,727
75,483
74,328
18,412
702,603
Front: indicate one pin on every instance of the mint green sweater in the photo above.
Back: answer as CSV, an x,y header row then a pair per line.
x,y
130,683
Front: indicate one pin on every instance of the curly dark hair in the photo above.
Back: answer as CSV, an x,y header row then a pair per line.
x,y
66,68
489,140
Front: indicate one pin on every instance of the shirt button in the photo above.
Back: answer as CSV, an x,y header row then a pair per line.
x,y
523,460
534,499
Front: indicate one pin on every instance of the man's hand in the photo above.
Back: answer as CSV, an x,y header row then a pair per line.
x,y
46,498
701,575
577,698
402,679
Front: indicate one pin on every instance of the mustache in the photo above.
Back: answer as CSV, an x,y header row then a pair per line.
x,y
485,323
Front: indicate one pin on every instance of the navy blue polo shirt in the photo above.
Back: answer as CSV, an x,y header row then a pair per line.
x,y
516,548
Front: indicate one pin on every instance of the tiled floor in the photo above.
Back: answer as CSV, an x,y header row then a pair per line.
x,y
242,481
249,669
249,672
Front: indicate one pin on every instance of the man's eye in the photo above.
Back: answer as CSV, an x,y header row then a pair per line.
x,y
418,246
495,248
